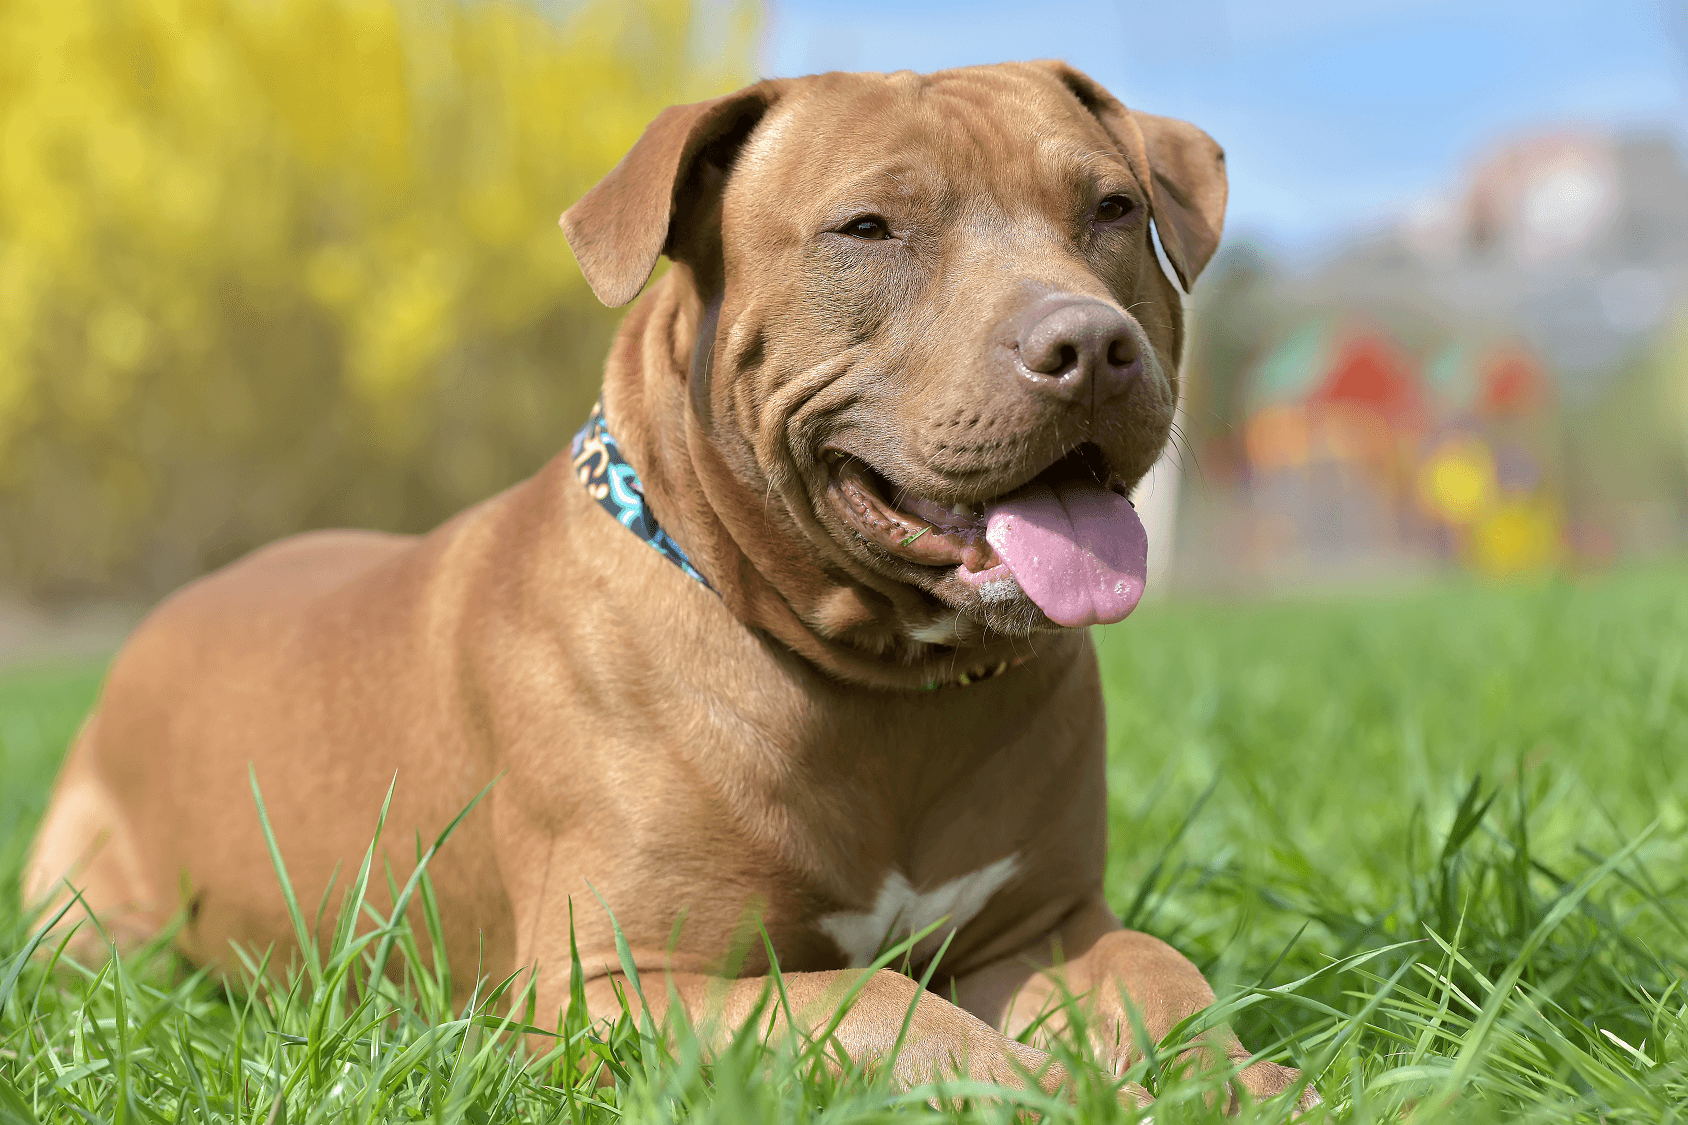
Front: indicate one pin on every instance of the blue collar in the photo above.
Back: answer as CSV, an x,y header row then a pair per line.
x,y
611,481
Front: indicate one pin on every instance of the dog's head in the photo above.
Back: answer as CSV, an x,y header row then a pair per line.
x,y
932,330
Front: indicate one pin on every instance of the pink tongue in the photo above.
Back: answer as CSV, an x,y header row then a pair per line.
x,y
1077,550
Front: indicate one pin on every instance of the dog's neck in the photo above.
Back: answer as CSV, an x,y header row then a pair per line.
x,y
704,486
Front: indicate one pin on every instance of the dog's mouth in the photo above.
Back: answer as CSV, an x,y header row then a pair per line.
x,y
1068,538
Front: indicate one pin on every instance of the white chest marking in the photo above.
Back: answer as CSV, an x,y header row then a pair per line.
x,y
899,910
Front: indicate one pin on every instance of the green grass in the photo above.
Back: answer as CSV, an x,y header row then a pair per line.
x,y
1433,847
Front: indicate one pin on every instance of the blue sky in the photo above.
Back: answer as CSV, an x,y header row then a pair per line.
x,y
1335,116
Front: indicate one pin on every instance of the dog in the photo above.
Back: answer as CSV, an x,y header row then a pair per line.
x,y
795,631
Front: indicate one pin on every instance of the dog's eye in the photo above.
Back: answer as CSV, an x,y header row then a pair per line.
x,y
1114,208
870,227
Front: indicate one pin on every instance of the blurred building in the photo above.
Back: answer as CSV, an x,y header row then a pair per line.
x,y
1578,241
1490,383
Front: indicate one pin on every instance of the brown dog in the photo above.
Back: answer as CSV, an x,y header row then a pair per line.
x,y
914,350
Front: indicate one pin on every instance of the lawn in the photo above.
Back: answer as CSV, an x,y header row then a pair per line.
x,y
1432,847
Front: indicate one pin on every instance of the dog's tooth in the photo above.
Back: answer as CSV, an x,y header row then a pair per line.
x,y
959,510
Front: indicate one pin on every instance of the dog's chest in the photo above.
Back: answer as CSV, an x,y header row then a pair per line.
x,y
901,910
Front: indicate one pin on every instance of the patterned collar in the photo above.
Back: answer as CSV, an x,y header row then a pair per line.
x,y
613,483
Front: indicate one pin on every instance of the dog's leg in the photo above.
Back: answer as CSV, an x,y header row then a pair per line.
x,y
84,843
942,1040
1104,966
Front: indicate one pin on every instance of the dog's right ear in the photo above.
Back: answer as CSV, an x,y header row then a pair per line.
x,y
619,228
1182,168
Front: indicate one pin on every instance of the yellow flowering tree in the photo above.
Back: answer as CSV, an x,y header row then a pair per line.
x,y
276,264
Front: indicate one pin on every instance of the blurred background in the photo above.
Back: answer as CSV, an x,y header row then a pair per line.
x,y
268,265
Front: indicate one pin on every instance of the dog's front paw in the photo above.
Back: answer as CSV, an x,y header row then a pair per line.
x,y
1267,1079
1254,1083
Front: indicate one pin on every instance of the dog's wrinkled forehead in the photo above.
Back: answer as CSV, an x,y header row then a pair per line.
x,y
1025,132
946,141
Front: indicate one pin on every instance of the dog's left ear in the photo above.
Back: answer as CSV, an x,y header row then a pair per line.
x,y
635,213
1182,167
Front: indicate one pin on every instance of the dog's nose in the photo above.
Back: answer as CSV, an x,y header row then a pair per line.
x,y
1081,349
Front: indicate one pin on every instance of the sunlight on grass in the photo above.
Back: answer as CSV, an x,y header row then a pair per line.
x,y
1430,849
